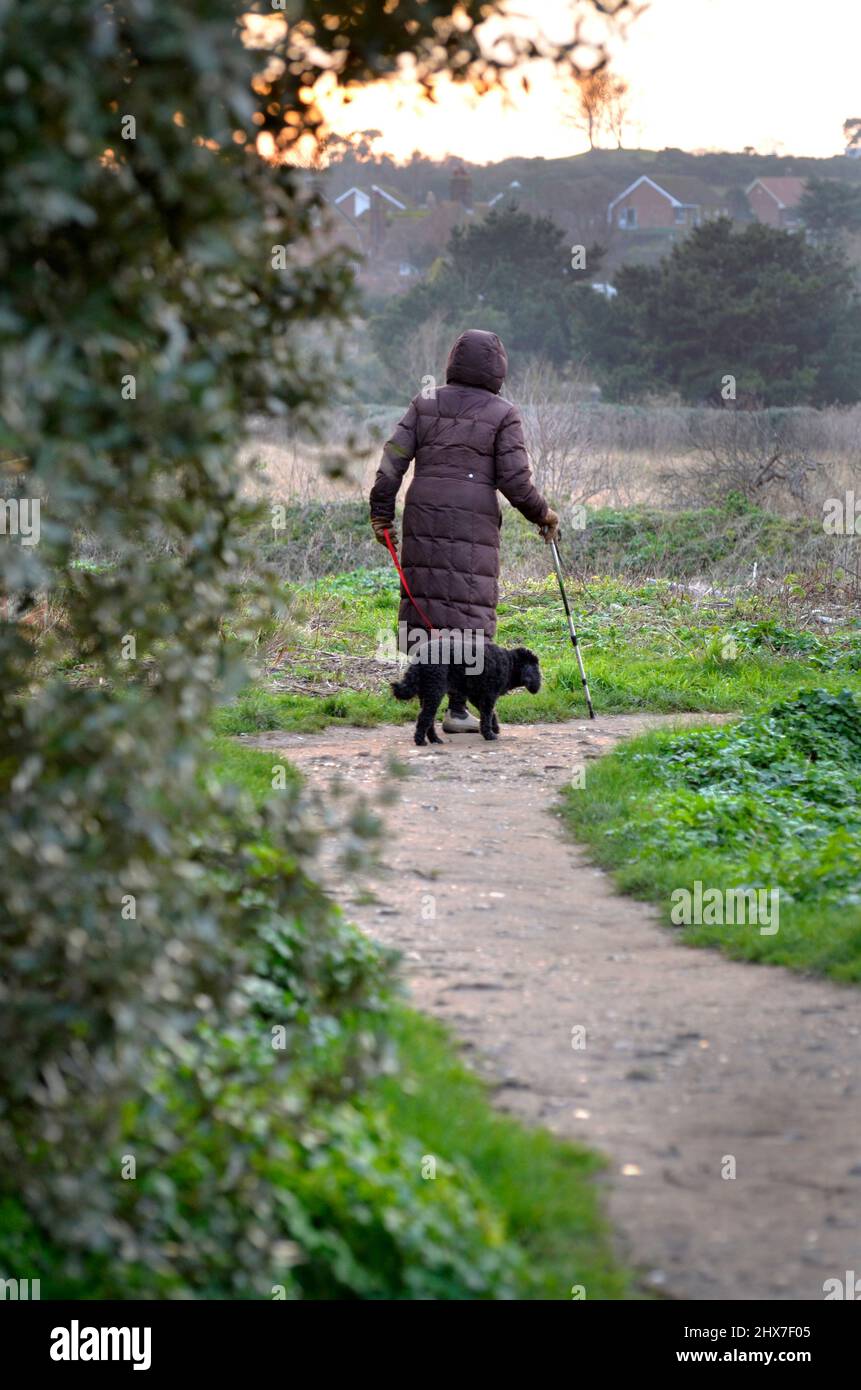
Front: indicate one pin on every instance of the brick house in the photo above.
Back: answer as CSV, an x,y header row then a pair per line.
x,y
679,202
775,201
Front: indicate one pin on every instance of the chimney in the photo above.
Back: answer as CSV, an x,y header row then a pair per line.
x,y
460,185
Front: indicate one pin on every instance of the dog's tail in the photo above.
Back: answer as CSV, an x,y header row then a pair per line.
x,y
409,686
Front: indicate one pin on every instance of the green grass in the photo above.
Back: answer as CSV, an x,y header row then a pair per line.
x,y
250,769
718,542
742,806
647,647
771,802
257,710
541,1189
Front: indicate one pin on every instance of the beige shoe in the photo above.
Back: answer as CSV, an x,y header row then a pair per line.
x,y
460,723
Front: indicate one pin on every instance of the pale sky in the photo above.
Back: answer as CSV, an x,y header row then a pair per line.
x,y
781,75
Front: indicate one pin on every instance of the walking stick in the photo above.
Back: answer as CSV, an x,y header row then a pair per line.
x,y
574,642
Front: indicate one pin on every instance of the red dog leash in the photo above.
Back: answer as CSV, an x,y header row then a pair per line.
x,y
420,611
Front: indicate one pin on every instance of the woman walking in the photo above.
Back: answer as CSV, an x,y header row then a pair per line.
x,y
467,442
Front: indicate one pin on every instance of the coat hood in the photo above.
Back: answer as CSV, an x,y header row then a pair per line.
x,y
477,359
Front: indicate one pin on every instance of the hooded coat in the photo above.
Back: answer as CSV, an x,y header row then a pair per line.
x,y
467,442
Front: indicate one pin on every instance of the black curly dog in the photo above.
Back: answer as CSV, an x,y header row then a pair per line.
x,y
504,670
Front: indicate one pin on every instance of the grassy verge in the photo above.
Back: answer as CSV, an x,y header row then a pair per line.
x,y
540,1191
542,1188
721,543
773,802
647,647
400,1182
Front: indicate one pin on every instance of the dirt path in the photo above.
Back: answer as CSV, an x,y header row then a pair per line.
x,y
689,1057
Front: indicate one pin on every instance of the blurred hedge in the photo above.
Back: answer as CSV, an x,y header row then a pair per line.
x,y
155,928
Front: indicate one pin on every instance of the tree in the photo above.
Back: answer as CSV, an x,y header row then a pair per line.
x,y
829,207
155,928
594,100
618,110
750,314
852,132
510,273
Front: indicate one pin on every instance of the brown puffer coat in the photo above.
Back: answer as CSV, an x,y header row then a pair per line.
x,y
467,441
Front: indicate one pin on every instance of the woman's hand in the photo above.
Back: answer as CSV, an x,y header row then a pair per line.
x,y
549,527
380,526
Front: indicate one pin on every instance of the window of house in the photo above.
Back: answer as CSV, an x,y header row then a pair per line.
x,y
628,217
680,215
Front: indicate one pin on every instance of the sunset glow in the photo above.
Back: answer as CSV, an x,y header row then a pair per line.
x,y
780,75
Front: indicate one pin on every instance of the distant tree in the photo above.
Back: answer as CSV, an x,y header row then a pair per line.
x,y
618,110
829,207
852,132
510,273
415,176
779,316
594,96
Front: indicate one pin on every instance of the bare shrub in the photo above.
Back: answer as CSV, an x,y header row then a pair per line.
x,y
425,351
764,456
658,453
568,465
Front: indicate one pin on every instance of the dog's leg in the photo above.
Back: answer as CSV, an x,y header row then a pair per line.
x,y
424,725
422,722
433,689
433,703
486,719
494,723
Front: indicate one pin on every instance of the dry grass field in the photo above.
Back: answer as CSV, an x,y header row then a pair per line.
x,y
661,455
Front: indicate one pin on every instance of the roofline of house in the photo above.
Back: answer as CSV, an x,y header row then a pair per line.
x,y
347,191
770,191
375,188
644,178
